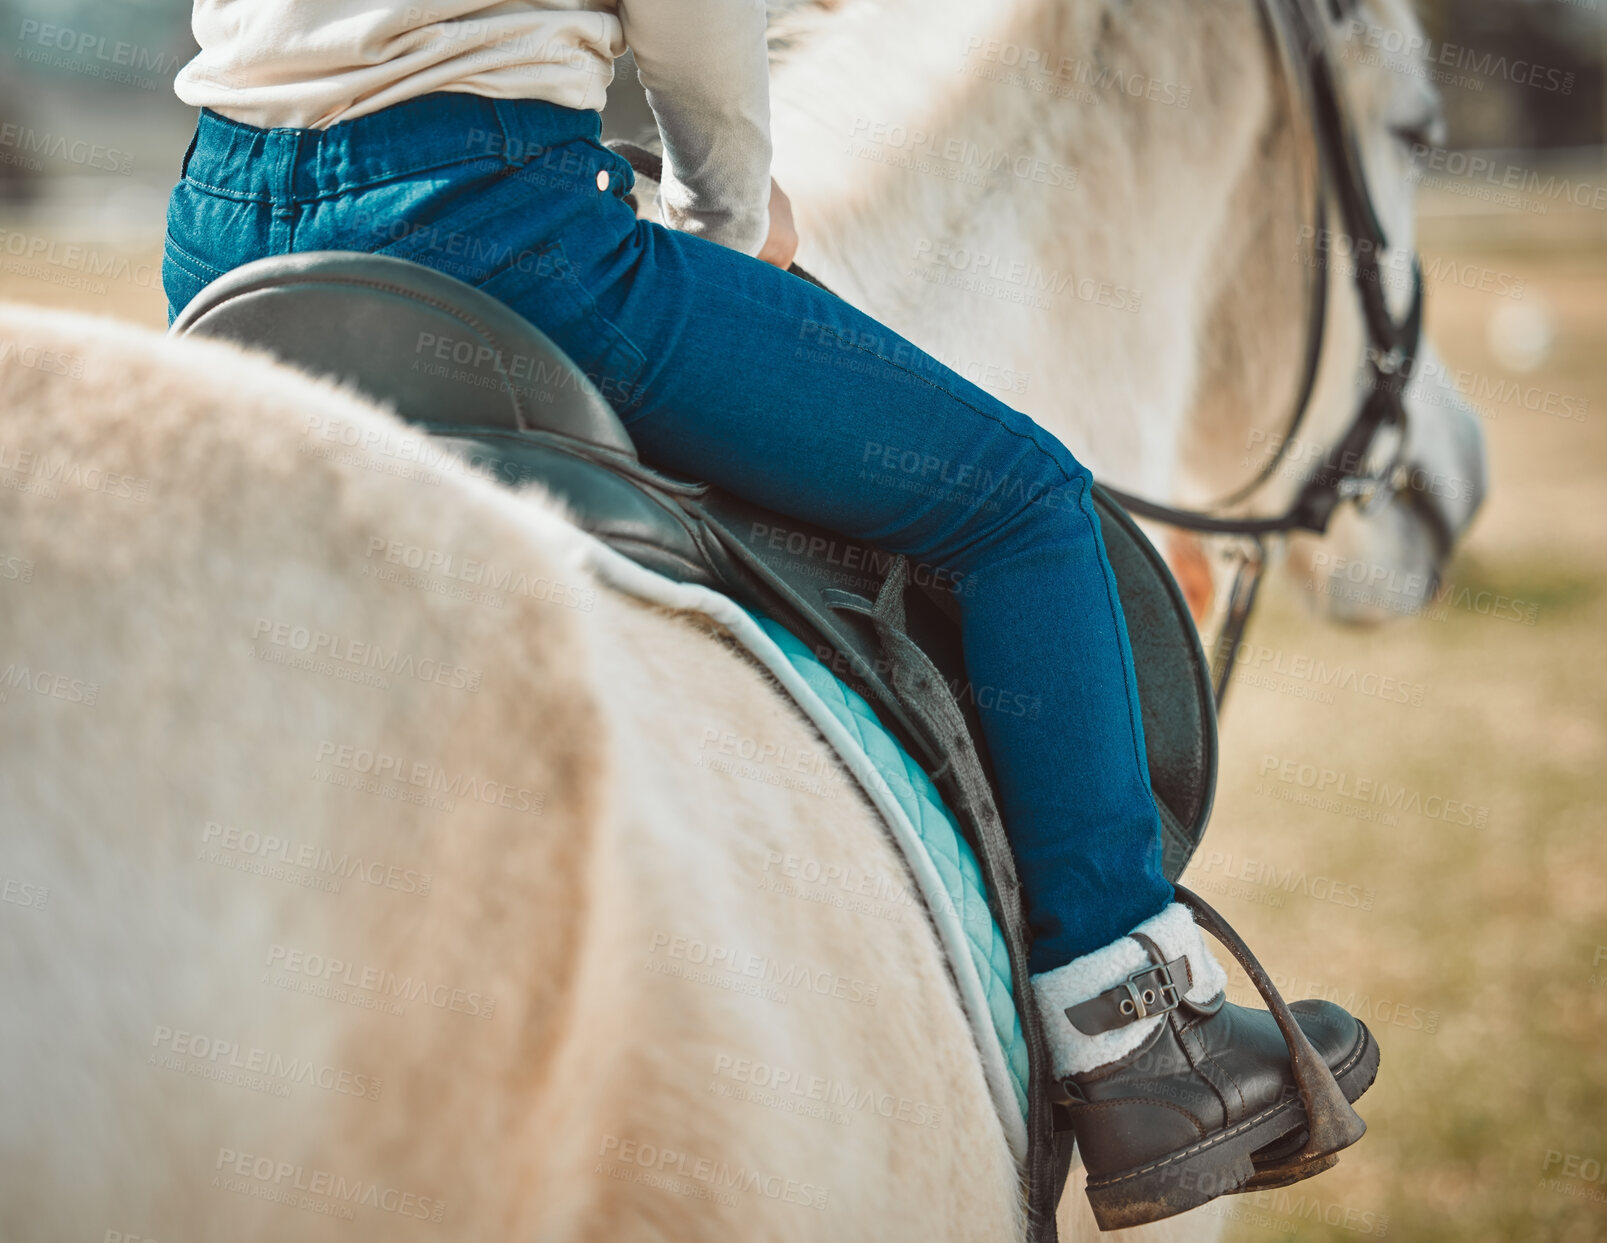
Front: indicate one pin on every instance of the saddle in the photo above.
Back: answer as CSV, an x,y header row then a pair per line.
x,y
496,390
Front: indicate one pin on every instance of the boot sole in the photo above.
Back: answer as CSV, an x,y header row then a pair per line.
x,y
1191,1177
1223,1163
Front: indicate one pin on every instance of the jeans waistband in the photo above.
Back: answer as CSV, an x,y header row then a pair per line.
x,y
283,166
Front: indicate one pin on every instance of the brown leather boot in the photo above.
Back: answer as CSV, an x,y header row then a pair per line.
x,y
1218,1098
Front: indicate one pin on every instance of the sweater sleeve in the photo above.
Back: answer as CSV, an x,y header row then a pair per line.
x,y
706,71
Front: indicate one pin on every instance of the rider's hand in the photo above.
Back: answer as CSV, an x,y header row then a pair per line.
x,y
782,244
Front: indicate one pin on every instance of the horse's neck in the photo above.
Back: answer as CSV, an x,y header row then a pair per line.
x,y
1161,115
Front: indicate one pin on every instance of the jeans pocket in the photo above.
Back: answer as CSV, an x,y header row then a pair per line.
x,y
183,276
208,235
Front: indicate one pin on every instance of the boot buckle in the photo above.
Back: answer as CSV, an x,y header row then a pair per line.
x,y
1149,991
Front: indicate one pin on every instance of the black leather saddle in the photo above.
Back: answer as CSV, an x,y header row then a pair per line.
x,y
471,371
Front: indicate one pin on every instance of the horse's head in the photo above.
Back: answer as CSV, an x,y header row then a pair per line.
x,y
1385,559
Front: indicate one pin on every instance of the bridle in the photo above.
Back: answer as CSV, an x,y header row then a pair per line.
x,y
1351,471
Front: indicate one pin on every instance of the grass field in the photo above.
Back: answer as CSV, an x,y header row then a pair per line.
x,y
1477,950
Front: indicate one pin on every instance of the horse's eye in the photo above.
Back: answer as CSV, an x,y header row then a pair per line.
x,y
1421,133
1416,138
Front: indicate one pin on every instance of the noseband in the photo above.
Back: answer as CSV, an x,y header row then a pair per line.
x,y
1351,471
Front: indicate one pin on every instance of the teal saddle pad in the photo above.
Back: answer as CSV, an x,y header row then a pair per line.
x,y
938,831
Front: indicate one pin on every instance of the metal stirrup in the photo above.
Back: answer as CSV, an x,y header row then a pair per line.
x,y
1331,1123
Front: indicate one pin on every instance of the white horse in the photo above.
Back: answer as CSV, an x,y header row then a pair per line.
x,y
502,945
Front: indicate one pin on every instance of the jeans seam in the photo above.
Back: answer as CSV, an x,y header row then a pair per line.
x,y
233,196
338,191
1118,619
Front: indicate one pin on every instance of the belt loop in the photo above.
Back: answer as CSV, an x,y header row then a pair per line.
x,y
514,148
283,145
184,165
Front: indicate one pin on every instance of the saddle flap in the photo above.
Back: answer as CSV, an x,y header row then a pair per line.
x,y
1174,683
436,350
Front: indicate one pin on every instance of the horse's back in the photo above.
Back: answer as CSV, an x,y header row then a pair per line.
x,y
274,784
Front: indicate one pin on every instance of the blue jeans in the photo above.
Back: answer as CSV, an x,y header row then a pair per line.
x,y
731,370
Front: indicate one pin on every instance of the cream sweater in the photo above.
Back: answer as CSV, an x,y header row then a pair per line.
x,y
310,64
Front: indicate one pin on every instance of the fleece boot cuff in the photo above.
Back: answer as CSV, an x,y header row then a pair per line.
x,y
1075,1052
